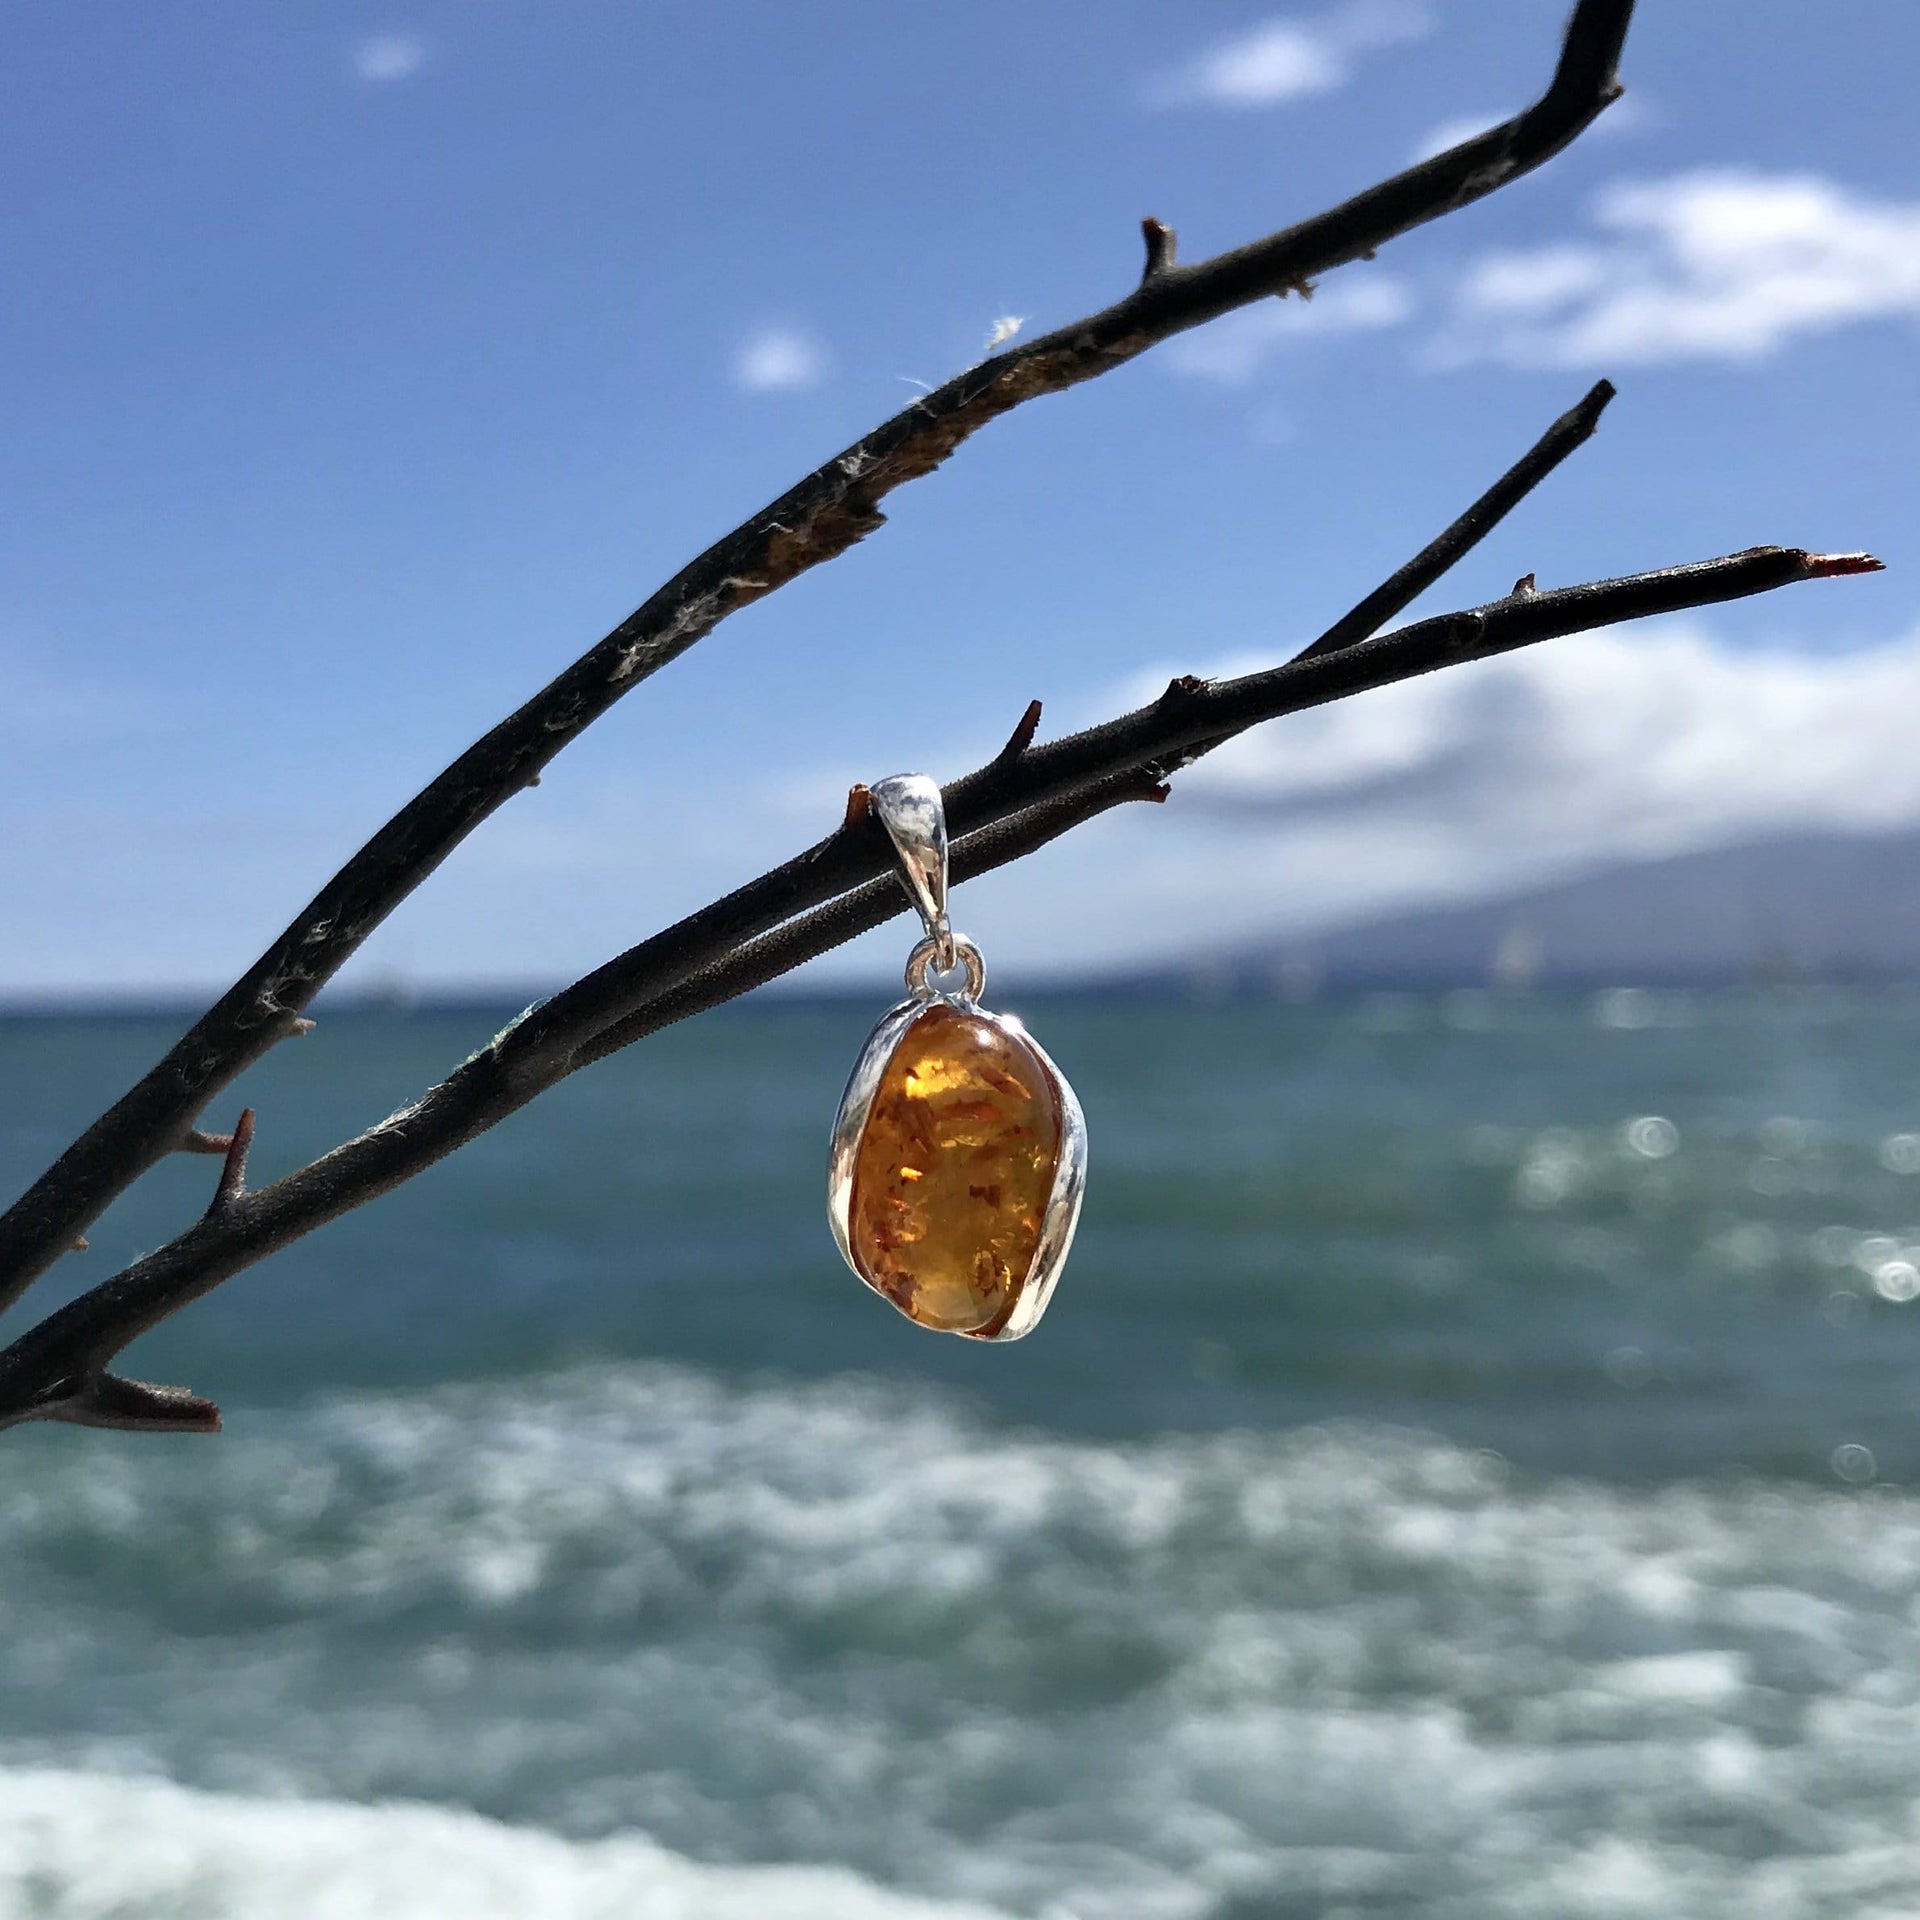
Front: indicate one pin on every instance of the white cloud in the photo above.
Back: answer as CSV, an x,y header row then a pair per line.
x,y
384,57
1637,742
1641,741
1630,743
1233,349
779,360
1724,265
1291,57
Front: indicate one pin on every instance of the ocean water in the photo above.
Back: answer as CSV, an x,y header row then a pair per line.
x,y
1470,1468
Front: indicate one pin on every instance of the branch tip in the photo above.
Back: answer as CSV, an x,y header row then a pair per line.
x,y
1162,245
859,805
823,896
1831,566
1584,416
1572,430
1021,737
134,1406
233,1176
832,508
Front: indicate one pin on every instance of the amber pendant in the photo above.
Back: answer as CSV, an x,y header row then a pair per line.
x,y
959,1154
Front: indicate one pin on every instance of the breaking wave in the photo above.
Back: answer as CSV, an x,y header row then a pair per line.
x,y
634,1638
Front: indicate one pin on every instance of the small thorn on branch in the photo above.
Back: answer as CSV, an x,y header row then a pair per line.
x,y
302,1027
134,1406
1831,566
1021,738
1523,588
1182,687
80,1243
233,1176
859,805
1162,244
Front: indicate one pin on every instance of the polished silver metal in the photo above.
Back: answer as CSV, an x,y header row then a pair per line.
x,y
964,954
909,806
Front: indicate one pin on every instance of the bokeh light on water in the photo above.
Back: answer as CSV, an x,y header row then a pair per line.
x,y
1466,1472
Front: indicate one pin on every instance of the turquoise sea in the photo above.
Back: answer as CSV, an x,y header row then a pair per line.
x,y
1471,1468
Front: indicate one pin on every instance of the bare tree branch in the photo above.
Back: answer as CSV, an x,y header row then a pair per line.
x,y
1573,429
233,1176
1162,245
833,507
1005,809
805,938
1191,716
131,1406
1023,798
1021,738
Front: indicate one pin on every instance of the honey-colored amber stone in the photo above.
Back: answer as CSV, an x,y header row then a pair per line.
x,y
953,1171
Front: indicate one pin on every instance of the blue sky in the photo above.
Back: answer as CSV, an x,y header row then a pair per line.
x,y
362,367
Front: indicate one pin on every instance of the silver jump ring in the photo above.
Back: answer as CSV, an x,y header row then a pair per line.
x,y
922,960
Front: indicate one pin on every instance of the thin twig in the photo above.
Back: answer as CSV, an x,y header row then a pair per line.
x,y
1162,246
996,813
1021,738
1154,737
1573,429
873,905
1366,617
233,1176
833,507
773,954
133,1406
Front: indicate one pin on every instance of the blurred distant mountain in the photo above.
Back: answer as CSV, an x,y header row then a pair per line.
x,y
1825,906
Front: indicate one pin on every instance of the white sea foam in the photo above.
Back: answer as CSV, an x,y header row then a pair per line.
x,y
77,1846
1168,1679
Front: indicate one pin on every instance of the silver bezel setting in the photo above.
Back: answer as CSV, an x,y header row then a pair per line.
x,y
1032,1293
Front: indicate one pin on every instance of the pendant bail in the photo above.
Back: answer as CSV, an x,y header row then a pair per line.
x,y
910,808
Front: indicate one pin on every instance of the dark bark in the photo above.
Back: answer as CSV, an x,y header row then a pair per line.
x,y
1013,804
834,506
1026,796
